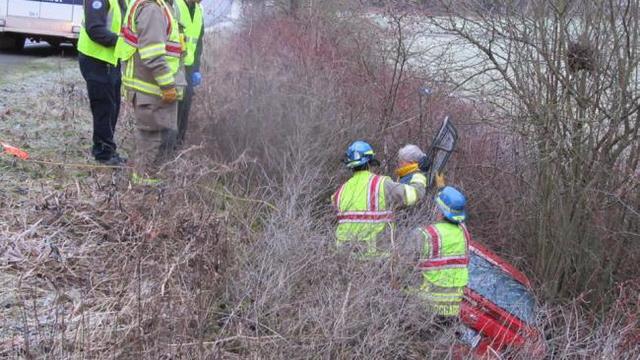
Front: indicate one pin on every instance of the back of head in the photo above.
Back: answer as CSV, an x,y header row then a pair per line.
x,y
410,154
451,203
359,156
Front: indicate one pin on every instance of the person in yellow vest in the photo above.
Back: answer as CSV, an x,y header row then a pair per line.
x,y
100,68
442,249
365,203
190,14
151,49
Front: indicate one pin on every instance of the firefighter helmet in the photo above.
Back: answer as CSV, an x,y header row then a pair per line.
x,y
360,153
451,202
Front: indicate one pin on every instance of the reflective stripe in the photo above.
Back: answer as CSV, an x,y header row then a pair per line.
x,y
436,242
450,263
443,297
151,51
365,216
146,87
171,48
467,237
132,12
374,187
142,86
165,79
129,81
336,197
418,178
129,37
386,212
410,195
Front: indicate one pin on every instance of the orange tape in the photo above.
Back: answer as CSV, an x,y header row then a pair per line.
x,y
12,150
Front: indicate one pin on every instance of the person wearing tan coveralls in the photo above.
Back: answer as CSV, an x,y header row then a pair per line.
x,y
151,47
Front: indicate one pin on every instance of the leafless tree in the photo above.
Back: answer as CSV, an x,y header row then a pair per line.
x,y
563,76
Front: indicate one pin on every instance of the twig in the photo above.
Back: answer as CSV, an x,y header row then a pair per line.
x,y
231,196
231,338
343,310
185,151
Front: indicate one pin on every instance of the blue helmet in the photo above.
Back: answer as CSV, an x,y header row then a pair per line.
x,y
359,153
451,202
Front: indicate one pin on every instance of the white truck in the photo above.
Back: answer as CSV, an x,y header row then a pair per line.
x,y
53,21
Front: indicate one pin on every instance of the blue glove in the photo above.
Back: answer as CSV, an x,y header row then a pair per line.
x,y
196,78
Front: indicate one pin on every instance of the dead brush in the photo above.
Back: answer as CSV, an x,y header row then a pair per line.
x,y
289,293
99,271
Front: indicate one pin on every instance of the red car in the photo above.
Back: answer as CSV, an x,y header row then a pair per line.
x,y
499,308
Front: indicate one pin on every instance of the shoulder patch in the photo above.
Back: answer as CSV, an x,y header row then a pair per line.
x,y
96,5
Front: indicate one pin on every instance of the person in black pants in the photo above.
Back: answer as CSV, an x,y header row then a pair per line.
x,y
193,77
101,70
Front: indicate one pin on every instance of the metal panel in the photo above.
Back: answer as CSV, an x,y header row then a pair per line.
x,y
25,8
78,14
3,8
57,9
27,25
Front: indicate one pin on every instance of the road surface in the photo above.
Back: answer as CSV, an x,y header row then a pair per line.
x,y
10,62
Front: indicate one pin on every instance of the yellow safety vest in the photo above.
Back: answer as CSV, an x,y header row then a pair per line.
x,y
91,48
444,266
127,46
192,29
362,211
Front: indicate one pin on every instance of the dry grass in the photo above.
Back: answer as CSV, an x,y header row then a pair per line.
x,y
97,269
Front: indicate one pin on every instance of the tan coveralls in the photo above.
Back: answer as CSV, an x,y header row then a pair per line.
x,y
156,121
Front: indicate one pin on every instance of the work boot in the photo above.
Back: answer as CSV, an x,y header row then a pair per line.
x,y
115,161
122,159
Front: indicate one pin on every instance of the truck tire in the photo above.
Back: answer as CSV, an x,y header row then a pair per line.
x,y
54,44
12,42
6,42
18,42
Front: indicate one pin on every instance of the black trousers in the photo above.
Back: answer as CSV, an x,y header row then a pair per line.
x,y
103,85
184,106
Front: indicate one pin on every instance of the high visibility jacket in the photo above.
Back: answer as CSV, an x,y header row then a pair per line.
x,y
130,50
362,210
444,265
192,29
98,51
